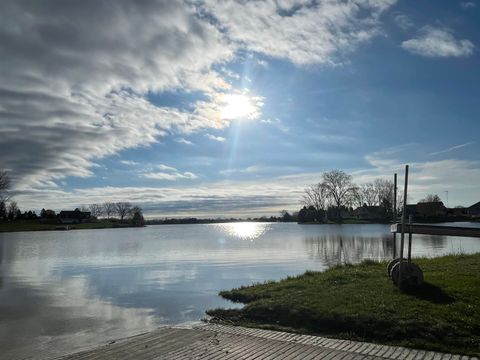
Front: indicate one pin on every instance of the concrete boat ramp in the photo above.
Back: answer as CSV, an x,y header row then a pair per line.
x,y
213,341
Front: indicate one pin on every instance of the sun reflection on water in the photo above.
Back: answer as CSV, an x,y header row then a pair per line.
x,y
244,230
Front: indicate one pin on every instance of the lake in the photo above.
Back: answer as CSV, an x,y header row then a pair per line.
x,y
61,291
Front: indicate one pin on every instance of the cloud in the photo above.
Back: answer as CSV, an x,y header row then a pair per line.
x,y
403,21
173,176
215,138
75,76
450,149
467,5
165,167
166,172
184,141
212,199
437,42
302,31
129,162
73,92
458,177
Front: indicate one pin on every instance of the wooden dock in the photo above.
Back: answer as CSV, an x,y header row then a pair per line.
x,y
436,230
231,342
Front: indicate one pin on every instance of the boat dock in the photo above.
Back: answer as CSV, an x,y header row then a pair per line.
x,y
436,230
213,341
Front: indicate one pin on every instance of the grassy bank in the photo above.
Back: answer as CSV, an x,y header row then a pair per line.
x,y
358,302
39,225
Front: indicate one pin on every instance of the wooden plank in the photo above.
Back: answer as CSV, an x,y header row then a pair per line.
x,y
227,342
437,230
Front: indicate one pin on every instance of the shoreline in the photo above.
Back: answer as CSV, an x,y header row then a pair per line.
x,y
36,225
359,302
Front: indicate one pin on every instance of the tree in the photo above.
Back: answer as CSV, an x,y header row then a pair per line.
x,y
339,188
285,216
96,210
3,210
4,183
108,209
367,194
316,196
137,216
12,210
122,209
431,198
4,187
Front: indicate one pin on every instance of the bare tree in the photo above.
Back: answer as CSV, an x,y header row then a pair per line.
x,y
108,209
96,210
12,210
123,209
339,188
137,216
376,193
368,194
316,196
431,198
4,185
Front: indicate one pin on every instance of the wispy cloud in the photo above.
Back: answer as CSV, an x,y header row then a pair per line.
x,y
170,176
403,21
129,162
450,149
438,42
459,177
279,28
467,5
215,138
184,141
165,167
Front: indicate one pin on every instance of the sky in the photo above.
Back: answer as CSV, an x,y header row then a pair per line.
x,y
232,108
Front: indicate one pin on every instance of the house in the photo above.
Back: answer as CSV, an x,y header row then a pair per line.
x,y
74,217
430,209
458,212
474,210
366,212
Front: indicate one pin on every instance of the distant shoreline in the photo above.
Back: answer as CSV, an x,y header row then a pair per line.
x,y
38,225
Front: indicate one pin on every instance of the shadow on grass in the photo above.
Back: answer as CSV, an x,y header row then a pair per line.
x,y
430,292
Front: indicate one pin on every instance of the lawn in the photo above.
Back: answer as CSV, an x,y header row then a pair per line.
x,y
359,302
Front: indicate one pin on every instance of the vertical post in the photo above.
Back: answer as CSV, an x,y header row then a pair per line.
x,y
395,214
402,237
409,239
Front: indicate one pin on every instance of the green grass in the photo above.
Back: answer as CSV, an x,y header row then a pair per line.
x,y
359,302
39,225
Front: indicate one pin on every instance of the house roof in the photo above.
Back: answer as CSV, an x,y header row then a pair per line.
x,y
474,206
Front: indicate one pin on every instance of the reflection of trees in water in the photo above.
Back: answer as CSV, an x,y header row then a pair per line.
x,y
341,249
431,241
1,261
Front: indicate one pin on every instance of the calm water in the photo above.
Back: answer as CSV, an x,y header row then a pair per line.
x,y
62,291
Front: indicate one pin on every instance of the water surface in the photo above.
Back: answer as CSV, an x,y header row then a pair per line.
x,y
63,291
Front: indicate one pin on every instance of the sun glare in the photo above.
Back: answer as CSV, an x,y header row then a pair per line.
x,y
244,230
237,106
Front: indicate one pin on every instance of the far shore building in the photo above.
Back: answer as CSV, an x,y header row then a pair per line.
x,y
474,210
366,212
430,209
74,217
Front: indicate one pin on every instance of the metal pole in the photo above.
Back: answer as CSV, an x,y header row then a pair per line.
x,y
394,214
402,238
409,239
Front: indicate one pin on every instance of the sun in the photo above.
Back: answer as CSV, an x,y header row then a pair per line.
x,y
237,106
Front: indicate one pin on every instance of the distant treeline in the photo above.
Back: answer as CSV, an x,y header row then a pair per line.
x,y
285,217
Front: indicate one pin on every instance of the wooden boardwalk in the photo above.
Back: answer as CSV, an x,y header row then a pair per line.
x,y
229,342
